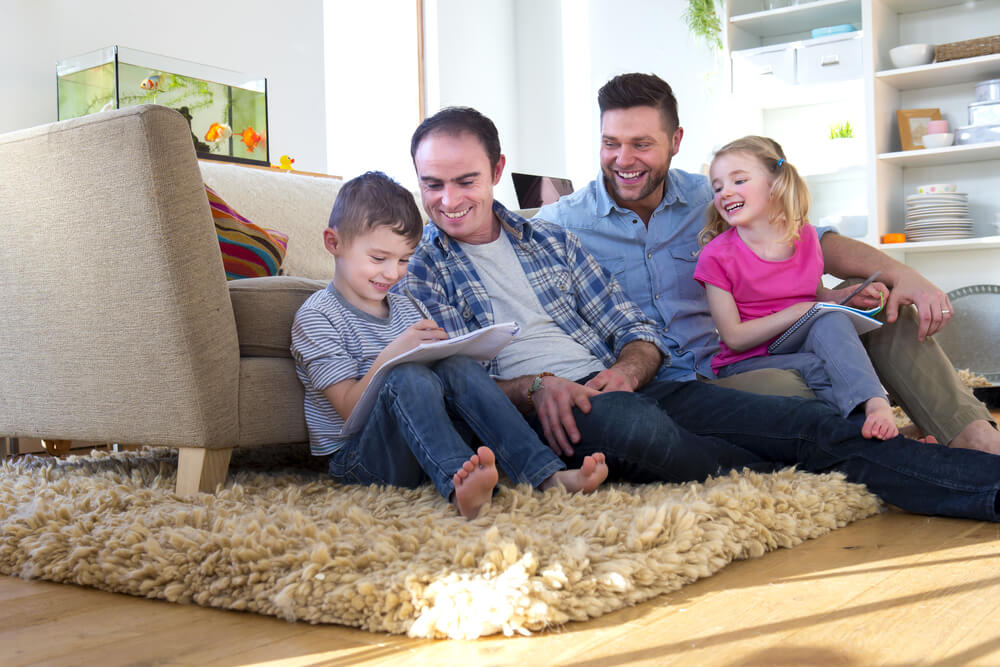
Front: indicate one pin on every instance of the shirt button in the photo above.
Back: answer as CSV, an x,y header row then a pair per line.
x,y
634,221
666,329
657,297
649,255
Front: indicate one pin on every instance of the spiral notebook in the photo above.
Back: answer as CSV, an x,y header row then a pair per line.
x,y
482,345
791,340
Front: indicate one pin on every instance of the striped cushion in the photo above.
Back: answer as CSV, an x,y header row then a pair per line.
x,y
248,251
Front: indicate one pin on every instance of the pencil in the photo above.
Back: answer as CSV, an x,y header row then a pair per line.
x,y
419,306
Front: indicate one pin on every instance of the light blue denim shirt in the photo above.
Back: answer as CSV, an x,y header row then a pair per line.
x,y
654,264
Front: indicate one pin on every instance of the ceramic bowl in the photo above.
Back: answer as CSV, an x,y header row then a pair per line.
x,y
937,187
911,55
939,140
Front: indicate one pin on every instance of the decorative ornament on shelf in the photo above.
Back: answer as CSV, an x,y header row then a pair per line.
x,y
703,21
285,163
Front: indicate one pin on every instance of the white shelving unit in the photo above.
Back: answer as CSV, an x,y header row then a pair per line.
x,y
882,172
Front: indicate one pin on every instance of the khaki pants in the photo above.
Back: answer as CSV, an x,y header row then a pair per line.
x,y
917,375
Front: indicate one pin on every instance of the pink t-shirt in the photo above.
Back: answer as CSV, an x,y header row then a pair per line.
x,y
759,287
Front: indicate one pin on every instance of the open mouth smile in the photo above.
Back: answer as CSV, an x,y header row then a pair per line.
x,y
457,215
732,208
630,175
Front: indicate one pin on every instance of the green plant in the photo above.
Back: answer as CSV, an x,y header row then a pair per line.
x,y
842,131
702,20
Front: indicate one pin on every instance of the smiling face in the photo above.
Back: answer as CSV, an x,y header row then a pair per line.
x,y
368,265
742,189
456,185
636,148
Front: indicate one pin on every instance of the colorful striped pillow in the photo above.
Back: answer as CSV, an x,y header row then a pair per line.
x,y
248,251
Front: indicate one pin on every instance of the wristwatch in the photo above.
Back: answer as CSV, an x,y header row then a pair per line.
x,y
535,386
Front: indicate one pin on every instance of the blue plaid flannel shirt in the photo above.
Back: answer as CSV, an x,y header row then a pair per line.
x,y
576,291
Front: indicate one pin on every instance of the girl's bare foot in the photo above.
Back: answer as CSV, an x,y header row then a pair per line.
x,y
879,421
474,483
586,478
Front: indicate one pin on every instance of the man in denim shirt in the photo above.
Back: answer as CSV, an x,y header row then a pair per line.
x,y
582,368
641,220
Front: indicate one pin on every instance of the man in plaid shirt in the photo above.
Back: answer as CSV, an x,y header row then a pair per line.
x,y
582,369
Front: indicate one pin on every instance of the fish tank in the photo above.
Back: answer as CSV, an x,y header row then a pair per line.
x,y
226,110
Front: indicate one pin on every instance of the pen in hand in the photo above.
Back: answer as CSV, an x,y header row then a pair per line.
x,y
417,304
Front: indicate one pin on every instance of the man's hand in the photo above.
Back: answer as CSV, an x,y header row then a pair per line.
x,y
612,379
933,307
554,402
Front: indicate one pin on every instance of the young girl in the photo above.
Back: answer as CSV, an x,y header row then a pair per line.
x,y
762,267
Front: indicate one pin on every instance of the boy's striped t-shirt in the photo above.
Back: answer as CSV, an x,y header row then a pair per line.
x,y
334,341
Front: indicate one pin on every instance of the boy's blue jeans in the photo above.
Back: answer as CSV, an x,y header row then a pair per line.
x,y
410,436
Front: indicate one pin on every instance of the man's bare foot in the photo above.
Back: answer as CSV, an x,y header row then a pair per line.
x,y
474,483
586,478
879,421
980,435
913,433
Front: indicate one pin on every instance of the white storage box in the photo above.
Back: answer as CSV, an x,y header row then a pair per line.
x,y
835,58
984,113
763,68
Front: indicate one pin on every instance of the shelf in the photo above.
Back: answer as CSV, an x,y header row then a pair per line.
x,y
978,243
798,18
910,6
964,70
932,157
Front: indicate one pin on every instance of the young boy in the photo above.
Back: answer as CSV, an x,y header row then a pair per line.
x,y
343,334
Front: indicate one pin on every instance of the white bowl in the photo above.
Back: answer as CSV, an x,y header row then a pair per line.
x,y
934,188
911,55
939,140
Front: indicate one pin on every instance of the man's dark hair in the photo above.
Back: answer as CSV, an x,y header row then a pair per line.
x,y
455,121
640,90
374,200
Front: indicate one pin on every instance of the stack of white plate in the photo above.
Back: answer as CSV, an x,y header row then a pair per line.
x,y
938,217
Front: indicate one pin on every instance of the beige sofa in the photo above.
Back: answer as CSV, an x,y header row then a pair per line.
x,y
119,325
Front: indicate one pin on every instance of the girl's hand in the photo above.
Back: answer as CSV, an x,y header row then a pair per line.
x,y
424,331
871,296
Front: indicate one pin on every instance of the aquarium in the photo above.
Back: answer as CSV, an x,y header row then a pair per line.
x,y
227,110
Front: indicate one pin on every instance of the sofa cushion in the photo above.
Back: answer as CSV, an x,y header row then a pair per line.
x,y
248,250
264,310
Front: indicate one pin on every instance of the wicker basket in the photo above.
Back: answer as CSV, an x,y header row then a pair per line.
x,y
981,46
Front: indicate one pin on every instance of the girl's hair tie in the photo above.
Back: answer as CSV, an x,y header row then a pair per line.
x,y
781,161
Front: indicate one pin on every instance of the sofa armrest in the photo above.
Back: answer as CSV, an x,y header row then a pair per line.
x,y
117,322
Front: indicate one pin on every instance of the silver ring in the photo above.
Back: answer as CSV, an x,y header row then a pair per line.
x,y
945,311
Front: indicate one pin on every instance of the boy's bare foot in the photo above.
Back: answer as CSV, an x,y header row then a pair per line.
x,y
879,421
586,478
474,483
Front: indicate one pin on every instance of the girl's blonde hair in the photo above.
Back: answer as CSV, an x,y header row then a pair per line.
x,y
788,190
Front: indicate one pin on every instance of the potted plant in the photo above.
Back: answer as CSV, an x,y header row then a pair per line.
x,y
703,21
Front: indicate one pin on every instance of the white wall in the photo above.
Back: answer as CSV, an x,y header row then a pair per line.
x,y
282,41
534,67
372,104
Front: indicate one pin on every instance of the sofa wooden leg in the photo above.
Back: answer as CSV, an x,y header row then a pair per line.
x,y
200,469
57,447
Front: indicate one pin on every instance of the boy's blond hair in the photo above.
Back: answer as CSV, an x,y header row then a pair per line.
x,y
789,192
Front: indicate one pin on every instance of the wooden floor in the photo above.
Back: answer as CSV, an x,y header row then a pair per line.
x,y
895,589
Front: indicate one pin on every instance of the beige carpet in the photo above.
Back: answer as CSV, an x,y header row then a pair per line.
x,y
282,540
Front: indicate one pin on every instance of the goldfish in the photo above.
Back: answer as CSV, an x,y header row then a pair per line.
x,y
250,138
152,82
286,162
218,132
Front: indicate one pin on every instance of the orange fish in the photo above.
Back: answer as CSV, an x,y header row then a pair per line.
x,y
218,132
250,138
150,83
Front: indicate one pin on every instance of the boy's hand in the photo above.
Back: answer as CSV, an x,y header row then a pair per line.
x,y
424,331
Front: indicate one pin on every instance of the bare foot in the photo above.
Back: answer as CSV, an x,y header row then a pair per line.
x,y
586,478
879,421
980,435
913,433
474,483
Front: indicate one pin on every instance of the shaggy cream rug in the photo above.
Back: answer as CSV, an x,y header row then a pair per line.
x,y
281,539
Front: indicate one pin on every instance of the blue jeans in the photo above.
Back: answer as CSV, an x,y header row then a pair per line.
x,y
413,433
832,362
687,431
